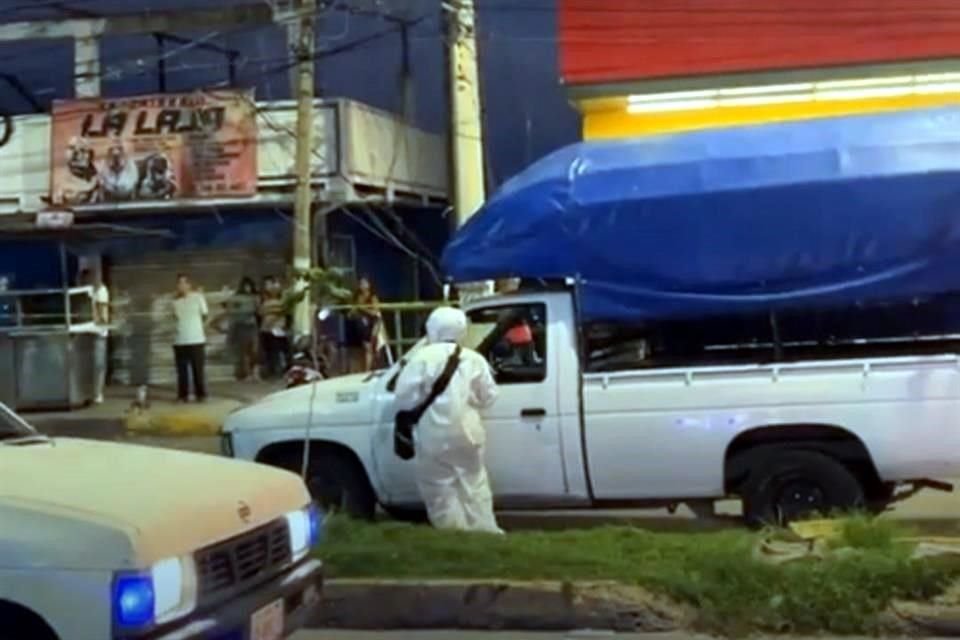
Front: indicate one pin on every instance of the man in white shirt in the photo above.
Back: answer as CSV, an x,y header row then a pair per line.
x,y
100,299
189,346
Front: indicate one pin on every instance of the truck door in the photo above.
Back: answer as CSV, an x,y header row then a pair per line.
x,y
524,453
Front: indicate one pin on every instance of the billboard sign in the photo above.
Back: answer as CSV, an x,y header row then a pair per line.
x,y
154,148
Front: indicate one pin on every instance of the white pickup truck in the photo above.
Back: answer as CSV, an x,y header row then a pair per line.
x,y
594,416
101,540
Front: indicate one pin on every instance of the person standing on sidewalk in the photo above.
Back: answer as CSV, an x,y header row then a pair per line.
x,y
273,329
190,343
240,315
100,298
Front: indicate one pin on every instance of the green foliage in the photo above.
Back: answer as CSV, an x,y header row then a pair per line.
x,y
325,287
717,573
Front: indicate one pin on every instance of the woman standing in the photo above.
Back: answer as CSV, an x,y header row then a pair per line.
x,y
240,314
273,328
365,317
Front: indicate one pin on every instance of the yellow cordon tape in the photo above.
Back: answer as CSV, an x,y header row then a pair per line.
x,y
186,423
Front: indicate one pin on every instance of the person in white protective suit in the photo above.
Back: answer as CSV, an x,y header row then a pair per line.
x,y
450,436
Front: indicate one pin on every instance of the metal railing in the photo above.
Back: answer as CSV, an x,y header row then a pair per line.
x,y
141,338
402,322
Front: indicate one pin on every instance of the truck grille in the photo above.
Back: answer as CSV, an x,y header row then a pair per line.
x,y
229,566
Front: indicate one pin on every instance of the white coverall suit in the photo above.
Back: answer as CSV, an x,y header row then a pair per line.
x,y
450,437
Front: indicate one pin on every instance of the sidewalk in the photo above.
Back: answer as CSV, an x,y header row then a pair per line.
x,y
194,426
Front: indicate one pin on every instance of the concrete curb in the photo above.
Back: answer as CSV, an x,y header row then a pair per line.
x,y
496,605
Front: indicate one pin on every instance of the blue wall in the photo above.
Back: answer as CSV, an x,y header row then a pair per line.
x,y
527,114
526,111
31,265
387,266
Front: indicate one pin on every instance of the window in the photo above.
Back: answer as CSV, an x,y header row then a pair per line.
x,y
678,343
852,330
342,255
513,339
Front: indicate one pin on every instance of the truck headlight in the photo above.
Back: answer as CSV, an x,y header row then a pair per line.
x,y
304,525
167,591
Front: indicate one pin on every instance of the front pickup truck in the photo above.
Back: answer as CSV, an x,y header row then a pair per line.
x,y
102,540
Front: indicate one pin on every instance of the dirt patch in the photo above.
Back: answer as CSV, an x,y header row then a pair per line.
x,y
496,605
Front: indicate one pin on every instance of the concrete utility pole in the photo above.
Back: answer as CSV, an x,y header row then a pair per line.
x,y
466,129
303,205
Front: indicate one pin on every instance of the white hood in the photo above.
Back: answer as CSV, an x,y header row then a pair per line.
x,y
129,504
343,401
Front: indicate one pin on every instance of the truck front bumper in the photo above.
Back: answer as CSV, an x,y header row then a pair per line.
x,y
299,589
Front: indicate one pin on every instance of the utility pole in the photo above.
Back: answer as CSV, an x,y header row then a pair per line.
x,y
303,205
466,129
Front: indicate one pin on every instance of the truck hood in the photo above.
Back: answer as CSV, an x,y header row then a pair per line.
x,y
168,502
342,401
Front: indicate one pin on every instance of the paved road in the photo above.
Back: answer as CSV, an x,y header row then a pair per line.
x,y
468,635
465,635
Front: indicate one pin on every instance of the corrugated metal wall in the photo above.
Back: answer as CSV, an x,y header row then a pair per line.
x,y
143,296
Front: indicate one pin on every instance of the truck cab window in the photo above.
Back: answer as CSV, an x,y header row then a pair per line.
x,y
513,339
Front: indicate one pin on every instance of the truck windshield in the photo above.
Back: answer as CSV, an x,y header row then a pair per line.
x,y
12,425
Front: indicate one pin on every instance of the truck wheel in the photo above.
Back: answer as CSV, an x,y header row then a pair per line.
x,y
339,484
20,624
796,484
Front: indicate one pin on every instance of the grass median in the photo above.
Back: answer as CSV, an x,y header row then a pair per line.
x,y
717,573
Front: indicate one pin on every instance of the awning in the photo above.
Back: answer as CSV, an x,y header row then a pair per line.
x,y
89,232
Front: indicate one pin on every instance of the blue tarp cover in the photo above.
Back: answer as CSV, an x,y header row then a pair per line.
x,y
813,213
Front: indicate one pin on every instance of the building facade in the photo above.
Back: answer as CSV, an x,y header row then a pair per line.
x,y
646,68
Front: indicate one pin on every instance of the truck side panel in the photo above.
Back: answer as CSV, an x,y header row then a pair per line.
x,y
665,433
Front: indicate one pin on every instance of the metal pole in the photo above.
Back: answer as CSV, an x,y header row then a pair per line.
x,y
65,283
161,64
466,135
232,68
303,205
86,64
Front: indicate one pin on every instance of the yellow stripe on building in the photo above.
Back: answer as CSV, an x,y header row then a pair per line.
x,y
609,117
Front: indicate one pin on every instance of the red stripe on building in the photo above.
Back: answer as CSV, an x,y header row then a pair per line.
x,y
606,41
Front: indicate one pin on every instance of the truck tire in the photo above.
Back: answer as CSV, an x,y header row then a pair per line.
x,y
794,484
20,624
338,484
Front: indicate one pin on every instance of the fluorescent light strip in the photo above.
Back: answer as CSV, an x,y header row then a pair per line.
x,y
795,93
829,85
673,96
767,89
675,105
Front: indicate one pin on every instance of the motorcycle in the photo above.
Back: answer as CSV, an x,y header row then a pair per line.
x,y
307,364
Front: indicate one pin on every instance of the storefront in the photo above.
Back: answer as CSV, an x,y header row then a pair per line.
x,y
681,66
214,172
